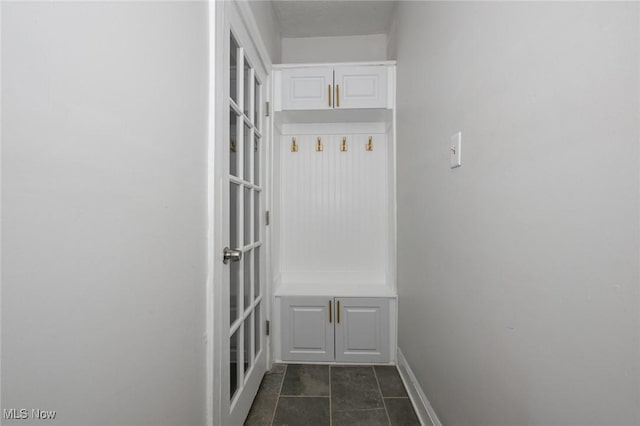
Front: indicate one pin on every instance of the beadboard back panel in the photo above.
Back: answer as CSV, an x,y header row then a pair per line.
x,y
333,204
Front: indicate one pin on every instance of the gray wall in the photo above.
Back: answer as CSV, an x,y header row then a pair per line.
x,y
334,49
519,271
104,149
269,27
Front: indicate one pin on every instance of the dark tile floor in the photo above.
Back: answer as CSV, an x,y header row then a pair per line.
x,y
316,395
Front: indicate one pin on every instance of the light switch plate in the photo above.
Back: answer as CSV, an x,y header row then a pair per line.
x,y
455,151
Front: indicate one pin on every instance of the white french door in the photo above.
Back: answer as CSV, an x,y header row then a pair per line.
x,y
241,346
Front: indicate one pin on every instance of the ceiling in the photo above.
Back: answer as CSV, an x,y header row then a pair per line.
x,y
318,18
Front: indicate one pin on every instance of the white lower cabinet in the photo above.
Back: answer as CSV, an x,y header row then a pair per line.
x,y
362,330
347,329
307,329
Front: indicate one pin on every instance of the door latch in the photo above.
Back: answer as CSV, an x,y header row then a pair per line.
x,y
233,255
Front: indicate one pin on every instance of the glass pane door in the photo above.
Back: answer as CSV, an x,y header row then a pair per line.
x,y
245,302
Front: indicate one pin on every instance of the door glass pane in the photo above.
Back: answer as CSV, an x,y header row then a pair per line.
x,y
256,159
247,216
234,371
234,210
257,330
233,70
256,216
234,291
234,267
247,279
256,272
248,89
233,142
248,326
257,104
248,153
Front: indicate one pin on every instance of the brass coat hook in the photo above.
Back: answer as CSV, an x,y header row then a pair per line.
x,y
369,146
343,146
319,146
294,145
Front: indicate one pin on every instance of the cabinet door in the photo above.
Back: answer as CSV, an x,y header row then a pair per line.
x,y
361,86
362,329
307,88
307,329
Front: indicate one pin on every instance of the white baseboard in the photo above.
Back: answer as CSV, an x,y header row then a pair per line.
x,y
424,410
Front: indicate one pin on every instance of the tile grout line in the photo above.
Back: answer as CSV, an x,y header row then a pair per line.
x,y
330,408
284,373
384,404
305,396
360,410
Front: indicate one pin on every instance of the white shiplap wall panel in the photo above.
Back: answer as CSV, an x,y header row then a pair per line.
x,y
333,209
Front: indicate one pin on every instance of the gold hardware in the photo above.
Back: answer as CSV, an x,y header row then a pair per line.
x,y
337,95
343,146
294,145
370,144
338,312
329,90
233,145
319,146
330,313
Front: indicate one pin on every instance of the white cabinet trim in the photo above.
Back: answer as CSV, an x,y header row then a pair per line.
x,y
332,64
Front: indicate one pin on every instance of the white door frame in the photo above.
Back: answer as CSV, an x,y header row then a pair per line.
x,y
214,291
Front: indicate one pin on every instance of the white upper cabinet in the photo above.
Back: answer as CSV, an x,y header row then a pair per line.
x,y
307,88
361,87
334,87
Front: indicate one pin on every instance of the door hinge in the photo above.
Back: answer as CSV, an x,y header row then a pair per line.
x,y
267,218
267,111
267,327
